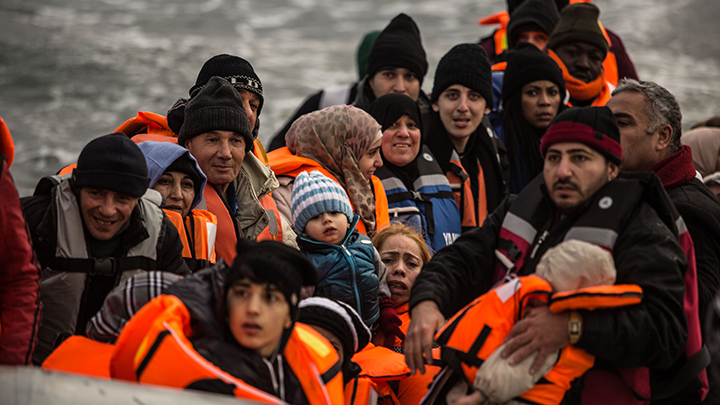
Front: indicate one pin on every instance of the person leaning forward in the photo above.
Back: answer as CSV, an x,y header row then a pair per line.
x,y
217,133
580,195
93,228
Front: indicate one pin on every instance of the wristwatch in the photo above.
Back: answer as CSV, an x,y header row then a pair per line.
x,y
574,327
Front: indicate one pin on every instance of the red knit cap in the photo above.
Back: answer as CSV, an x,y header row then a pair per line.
x,y
592,126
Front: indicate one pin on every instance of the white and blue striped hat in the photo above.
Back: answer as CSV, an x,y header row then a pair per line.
x,y
315,193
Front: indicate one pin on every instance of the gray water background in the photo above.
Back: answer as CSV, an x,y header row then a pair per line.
x,y
72,70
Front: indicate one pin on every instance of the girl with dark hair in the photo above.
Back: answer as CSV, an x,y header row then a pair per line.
x,y
533,94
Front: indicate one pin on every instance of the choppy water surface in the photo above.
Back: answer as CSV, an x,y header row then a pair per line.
x,y
71,70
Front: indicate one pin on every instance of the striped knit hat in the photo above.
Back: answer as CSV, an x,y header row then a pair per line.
x,y
315,193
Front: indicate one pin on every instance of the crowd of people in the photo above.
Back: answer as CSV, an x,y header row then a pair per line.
x,y
538,229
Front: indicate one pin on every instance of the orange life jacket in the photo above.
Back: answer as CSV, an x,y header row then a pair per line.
x,y
7,147
80,355
154,349
472,213
477,330
227,227
284,163
202,225
500,35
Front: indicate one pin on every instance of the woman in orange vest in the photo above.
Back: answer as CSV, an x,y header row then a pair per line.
x,y
343,143
175,174
404,252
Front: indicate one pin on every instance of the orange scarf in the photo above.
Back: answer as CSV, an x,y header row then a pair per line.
x,y
579,90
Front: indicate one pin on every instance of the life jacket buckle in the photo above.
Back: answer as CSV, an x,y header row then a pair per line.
x,y
104,266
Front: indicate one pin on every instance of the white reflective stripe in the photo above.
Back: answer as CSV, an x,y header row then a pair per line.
x,y
519,227
70,234
598,236
392,183
504,260
681,227
334,95
211,236
431,180
507,290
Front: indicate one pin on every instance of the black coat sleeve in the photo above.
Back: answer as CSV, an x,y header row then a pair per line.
x,y
460,272
169,250
654,332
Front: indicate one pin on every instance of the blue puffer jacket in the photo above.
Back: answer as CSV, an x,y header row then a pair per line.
x,y
346,272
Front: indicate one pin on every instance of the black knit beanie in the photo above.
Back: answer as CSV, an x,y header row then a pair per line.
x,y
579,23
217,107
398,46
338,318
542,13
184,164
112,162
467,65
235,70
526,64
592,126
389,108
513,4
272,263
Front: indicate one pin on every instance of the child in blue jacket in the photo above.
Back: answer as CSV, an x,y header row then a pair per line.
x,y
349,267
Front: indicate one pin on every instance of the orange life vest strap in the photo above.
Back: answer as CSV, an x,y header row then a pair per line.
x,y
316,364
205,225
274,229
382,216
591,298
500,36
226,242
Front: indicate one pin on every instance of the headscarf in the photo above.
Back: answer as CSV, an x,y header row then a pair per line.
x,y
337,137
705,146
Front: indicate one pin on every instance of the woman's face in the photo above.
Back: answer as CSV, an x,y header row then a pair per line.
x,y
402,257
540,102
178,189
401,141
371,160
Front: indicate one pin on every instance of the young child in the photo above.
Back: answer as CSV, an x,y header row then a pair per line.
x,y
349,267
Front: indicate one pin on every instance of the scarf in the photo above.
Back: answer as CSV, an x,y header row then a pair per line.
x,y
675,169
596,90
337,137
705,145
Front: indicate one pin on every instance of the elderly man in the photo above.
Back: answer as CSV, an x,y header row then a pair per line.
x,y
93,228
650,125
579,47
579,196
217,133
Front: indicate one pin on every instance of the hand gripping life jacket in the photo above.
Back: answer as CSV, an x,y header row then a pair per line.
x,y
198,232
430,209
601,226
64,278
477,330
284,163
154,348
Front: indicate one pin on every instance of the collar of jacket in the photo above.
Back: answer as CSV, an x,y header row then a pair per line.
x,y
675,169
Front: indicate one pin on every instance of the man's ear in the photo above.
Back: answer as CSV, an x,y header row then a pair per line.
x,y
435,107
612,171
665,134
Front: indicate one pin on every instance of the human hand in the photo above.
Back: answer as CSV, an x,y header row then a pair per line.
x,y
425,320
389,322
540,330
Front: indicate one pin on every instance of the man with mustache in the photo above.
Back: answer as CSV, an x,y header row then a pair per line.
x,y
579,47
580,195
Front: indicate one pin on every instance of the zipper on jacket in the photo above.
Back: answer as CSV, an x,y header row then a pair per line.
x,y
353,268
539,242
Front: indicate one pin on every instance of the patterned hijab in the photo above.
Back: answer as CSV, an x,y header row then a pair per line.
x,y
337,137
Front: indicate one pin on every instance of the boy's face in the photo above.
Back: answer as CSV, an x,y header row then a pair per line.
x,y
329,227
257,315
